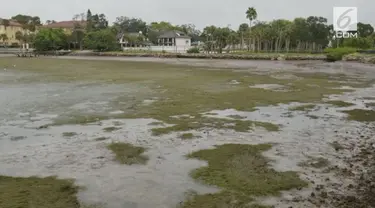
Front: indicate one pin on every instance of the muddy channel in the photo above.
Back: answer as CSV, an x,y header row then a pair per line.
x,y
28,149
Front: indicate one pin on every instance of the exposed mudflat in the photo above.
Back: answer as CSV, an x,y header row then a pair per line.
x,y
28,146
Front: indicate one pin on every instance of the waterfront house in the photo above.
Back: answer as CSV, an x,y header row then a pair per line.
x,y
8,30
174,41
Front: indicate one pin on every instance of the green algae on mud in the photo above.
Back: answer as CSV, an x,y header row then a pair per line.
x,y
101,139
306,107
181,89
156,123
361,115
242,172
36,192
238,117
111,129
188,124
340,103
128,154
69,134
187,136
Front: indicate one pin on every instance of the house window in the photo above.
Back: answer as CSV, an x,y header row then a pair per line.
x,y
187,42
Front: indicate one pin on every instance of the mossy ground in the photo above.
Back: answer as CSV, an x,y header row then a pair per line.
x,y
37,192
242,173
128,154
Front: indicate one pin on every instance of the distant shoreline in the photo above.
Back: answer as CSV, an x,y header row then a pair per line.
x,y
255,56
361,58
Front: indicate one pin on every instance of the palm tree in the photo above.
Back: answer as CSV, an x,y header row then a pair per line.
x,y
232,40
251,14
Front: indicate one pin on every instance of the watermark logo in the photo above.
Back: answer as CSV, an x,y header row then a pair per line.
x,y
345,21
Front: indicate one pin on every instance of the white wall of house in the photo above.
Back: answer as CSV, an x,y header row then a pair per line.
x,y
182,45
169,49
183,42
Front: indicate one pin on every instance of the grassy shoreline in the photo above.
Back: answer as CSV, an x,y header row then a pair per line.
x,y
272,56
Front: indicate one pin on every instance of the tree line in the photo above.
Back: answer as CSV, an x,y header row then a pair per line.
x,y
92,31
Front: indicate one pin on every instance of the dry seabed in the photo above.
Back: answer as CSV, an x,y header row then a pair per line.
x,y
164,179
314,139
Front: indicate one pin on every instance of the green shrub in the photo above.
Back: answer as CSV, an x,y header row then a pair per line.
x,y
362,43
336,54
193,50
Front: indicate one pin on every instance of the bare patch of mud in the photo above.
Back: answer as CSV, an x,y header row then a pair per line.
x,y
234,82
22,102
273,87
286,76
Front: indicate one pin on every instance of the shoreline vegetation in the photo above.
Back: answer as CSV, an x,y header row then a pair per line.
x,y
237,56
330,56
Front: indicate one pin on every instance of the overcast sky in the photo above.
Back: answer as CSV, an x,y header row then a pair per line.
x,y
198,12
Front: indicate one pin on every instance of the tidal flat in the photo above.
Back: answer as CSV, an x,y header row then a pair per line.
x,y
132,132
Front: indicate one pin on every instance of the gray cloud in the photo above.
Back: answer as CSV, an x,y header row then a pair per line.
x,y
198,12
